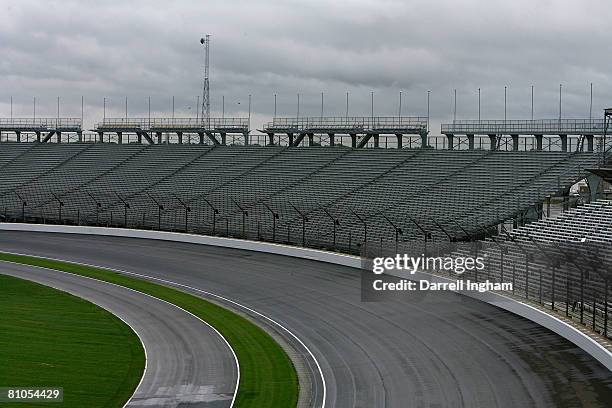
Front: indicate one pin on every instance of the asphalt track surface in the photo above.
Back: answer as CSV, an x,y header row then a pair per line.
x,y
441,350
188,363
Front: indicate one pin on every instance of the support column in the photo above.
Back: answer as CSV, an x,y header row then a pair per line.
x,y
515,142
180,137
310,139
200,134
270,139
332,139
80,136
538,139
493,142
223,138
18,133
400,140
120,137
376,140
246,138
353,139
290,135
589,139
59,136
100,137
563,142
450,137
37,136
139,138
470,138
424,141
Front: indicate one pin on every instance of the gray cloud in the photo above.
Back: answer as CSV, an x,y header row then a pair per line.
x,y
150,48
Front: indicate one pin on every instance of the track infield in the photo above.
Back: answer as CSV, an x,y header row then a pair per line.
x,y
50,338
267,375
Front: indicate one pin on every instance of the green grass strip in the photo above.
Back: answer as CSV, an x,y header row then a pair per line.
x,y
267,375
49,338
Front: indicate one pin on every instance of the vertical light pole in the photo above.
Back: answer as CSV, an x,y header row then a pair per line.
x,y
428,95
505,103
104,110
34,112
126,109
298,106
399,111
321,106
347,105
560,90
274,106
82,108
455,108
372,104
591,106
11,108
223,107
149,103
58,109
197,108
478,105
173,107
249,111
531,102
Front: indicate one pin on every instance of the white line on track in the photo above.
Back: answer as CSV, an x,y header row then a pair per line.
x,y
323,402
142,293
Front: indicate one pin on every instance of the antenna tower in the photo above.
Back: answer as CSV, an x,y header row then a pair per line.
x,y
206,88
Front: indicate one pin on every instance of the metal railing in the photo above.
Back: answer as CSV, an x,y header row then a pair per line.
x,y
39,123
173,124
357,123
526,127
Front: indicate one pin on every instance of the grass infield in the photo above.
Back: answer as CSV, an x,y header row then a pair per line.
x,y
50,338
267,375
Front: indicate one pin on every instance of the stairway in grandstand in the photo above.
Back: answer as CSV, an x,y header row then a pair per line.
x,y
439,193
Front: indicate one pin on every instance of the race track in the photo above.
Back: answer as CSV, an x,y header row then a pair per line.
x,y
442,350
188,364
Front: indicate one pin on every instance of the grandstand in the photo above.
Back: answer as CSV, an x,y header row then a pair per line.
x,y
562,264
336,198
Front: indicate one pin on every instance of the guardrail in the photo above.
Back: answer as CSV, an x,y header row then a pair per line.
x,y
526,127
39,123
360,123
173,123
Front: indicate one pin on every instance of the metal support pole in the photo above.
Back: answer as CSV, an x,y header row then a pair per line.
x,y
160,207
244,215
125,209
365,230
335,223
398,231
304,221
215,212
60,205
274,218
187,210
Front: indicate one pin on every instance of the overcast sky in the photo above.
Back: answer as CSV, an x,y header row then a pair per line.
x,y
137,49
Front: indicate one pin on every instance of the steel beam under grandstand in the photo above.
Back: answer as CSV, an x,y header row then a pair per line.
x,y
586,128
152,130
40,129
360,129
